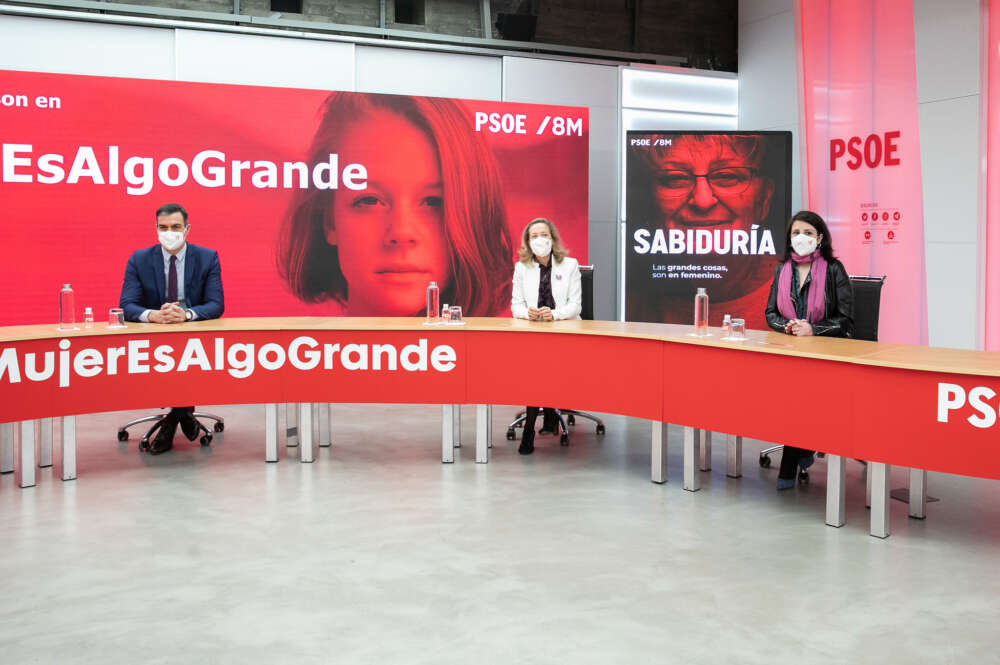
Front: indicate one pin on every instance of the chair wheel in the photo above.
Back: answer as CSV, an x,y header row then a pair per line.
x,y
765,462
510,434
600,429
122,435
570,420
218,427
205,440
803,477
564,440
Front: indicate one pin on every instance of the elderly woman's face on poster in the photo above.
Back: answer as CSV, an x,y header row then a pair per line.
x,y
712,182
390,237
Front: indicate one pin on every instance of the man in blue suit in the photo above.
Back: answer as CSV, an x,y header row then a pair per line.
x,y
172,282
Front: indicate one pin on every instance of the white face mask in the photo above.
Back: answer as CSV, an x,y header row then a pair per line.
x,y
171,240
803,245
541,246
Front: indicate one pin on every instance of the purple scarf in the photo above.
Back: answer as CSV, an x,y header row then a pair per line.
x,y
816,307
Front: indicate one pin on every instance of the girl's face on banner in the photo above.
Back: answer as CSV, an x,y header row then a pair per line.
x,y
390,237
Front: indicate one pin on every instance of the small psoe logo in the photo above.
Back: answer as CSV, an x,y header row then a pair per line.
x,y
952,397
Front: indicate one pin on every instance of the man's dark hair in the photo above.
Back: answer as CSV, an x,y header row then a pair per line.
x,y
171,208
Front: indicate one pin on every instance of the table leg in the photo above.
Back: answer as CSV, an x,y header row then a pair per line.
x,y
836,496
734,455
45,443
706,451
880,499
658,452
457,420
307,442
315,423
292,424
918,493
24,453
325,426
7,448
483,426
66,460
489,430
447,433
868,485
692,442
270,432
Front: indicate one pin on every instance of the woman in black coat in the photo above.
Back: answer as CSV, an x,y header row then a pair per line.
x,y
810,295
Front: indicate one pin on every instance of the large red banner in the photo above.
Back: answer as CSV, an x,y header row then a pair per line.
x,y
318,203
860,122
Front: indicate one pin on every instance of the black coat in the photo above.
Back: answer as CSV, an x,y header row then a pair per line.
x,y
838,320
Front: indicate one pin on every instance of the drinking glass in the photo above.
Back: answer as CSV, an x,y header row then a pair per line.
x,y
116,317
455,315
737,329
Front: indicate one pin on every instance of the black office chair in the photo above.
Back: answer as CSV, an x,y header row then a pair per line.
x,y
587,314
867,302
157,420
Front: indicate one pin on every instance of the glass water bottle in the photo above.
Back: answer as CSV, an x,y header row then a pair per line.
x,y
433,295
67,320
701,313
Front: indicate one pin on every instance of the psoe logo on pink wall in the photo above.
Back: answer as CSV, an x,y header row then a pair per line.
x,y
953,397
874,150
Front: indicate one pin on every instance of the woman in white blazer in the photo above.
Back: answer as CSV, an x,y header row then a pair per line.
x,y
546,288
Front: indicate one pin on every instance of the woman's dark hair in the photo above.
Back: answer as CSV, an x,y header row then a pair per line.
x,y
815,221
475,226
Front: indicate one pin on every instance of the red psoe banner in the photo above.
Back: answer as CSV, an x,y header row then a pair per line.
x,y
318,202
860,123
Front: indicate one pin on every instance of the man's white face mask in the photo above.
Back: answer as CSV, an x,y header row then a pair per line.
x,y
171,240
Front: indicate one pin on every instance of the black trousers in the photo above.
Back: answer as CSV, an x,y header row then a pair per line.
x,y
178,412
549,419
790,456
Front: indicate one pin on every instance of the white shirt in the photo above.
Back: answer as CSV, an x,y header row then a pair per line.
x,y
144,317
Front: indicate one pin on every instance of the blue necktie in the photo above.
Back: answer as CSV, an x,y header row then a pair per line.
x,y
172,280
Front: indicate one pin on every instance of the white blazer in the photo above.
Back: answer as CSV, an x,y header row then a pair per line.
x,y
566,290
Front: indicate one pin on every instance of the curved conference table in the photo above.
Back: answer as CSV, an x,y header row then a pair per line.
x,y
918,407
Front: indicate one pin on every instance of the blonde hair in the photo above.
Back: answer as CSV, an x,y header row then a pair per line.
x,y
558,251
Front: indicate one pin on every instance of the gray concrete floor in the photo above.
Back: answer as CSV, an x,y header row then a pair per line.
x,y
378,553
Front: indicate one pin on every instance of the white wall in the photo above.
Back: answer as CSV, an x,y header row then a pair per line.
x,y
596,87
71,47
768,76
947,54
948,96
412,72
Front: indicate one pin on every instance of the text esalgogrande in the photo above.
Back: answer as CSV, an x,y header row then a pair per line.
x,y
208,168
239,360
